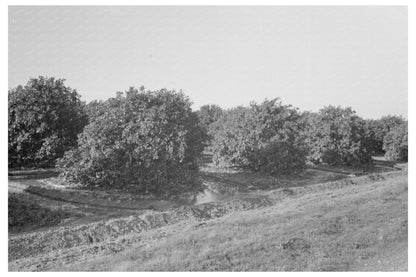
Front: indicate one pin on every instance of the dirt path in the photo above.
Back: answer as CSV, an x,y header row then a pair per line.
x,y
86,206
47,195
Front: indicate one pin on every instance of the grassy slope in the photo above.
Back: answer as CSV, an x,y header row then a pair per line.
x,y
353,228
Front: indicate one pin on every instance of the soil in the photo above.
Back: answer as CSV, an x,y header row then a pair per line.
x,y
111,220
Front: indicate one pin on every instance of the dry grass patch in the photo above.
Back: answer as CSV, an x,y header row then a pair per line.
x,y
352,228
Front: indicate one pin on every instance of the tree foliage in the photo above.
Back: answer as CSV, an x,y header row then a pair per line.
x,y
144,141
376,130
94,109
396,143
261,137
208,115
45,117
337,136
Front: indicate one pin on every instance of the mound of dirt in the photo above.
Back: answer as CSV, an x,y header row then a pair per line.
x,y
279,194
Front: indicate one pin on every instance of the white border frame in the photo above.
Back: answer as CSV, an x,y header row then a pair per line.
x,y
411,99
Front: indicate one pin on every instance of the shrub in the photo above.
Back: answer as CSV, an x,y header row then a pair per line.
x,y
45,118
143,141
337,136
261,137
396,143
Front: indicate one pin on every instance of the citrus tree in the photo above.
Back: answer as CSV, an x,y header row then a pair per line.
x,y
337,135
45,117
262,137
147,141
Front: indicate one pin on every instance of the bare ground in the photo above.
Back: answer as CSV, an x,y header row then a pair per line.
x,y
351,224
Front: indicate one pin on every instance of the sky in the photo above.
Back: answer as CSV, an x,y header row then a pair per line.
x,y
309,56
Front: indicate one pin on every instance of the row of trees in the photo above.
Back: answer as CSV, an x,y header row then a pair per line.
x,y
243,136
151,140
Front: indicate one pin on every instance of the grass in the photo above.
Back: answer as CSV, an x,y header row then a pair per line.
x,y
349,229
24,214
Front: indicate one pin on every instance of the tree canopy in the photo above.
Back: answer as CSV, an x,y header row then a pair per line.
x,y
45,117
261,137
377,129
337,135
143,140
396,143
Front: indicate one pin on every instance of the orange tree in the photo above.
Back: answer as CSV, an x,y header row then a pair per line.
x,y
262,137
396,143
147,141
45,117
338,136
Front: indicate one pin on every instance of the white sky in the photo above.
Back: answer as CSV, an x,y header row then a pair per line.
x,y
310,56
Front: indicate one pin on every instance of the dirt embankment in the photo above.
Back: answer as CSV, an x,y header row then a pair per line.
x,y
27,245
37,243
